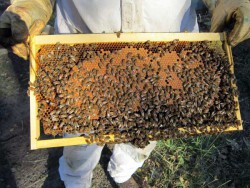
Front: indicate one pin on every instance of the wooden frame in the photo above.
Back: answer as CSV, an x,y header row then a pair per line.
x,y
37,41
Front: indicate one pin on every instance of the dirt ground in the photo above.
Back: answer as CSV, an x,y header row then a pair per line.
x,y
19,166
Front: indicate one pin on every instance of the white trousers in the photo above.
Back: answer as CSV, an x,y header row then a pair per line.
x,y
78,162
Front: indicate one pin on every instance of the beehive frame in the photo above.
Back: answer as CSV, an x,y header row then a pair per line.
x,y
37,41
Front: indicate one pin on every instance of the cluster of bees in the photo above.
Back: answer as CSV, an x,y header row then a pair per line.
x,y
135,91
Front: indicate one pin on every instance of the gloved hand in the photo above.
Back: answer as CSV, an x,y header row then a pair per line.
x,y
25,18
225,11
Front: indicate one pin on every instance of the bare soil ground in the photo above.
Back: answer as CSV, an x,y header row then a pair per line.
x,y
19,166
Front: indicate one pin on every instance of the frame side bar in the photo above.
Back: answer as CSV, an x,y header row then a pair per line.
x,y
34,121
230,59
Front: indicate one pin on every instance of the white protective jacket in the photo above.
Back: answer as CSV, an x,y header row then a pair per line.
x,y
109,16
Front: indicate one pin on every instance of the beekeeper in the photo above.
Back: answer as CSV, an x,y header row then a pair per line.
x,y
27,18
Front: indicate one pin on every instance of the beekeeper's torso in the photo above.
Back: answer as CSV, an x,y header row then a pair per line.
x,y
109,16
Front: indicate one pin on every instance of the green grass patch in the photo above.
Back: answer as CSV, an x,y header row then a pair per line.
x,y
204,161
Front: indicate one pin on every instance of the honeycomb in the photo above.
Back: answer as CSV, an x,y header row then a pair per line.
x,y
137,91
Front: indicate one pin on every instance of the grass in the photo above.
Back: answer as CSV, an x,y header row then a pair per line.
x,y
204,161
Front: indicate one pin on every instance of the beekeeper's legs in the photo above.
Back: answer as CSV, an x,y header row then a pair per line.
x,y
78,162
126,159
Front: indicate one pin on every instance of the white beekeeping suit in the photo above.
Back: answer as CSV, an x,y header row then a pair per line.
x,y
109,16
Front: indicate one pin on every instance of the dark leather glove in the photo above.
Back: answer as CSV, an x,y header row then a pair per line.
x,y
24,18
226,11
